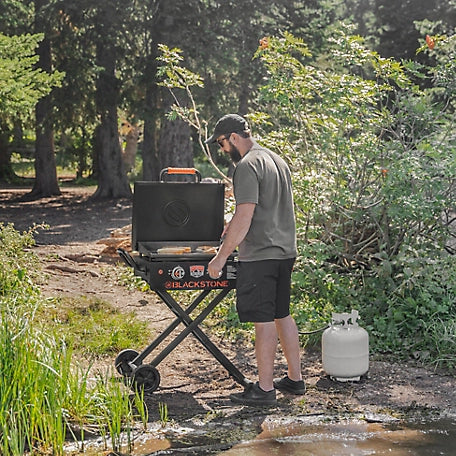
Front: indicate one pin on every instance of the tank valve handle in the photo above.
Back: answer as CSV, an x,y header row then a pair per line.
x,y
344,318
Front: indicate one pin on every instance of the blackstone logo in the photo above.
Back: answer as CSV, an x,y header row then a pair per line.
x,y
196,284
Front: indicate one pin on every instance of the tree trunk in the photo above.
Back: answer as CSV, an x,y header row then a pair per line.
x,y
112,178
6,170
151,162
46,183
174,146
150,157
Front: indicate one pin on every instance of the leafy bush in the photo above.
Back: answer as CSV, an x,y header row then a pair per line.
x,y
18,265
415,312
371,146
372,156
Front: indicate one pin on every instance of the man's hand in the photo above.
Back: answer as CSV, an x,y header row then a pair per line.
x,y
215,266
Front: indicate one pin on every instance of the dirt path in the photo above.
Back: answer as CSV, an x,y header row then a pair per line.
x,y
193,384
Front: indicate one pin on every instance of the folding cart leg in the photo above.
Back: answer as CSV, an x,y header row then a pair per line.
x,y
129,362
192,327
141,356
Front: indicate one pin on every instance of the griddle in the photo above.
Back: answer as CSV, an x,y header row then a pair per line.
x,y
187,214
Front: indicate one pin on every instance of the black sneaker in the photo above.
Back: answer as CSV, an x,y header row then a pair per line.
x,y
254,395
285,385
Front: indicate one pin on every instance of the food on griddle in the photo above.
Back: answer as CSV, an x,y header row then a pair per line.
x,y
207,249
174,250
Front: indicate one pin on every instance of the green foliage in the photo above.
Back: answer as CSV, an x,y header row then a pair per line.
x,y
173,74
44,396
176,79
163,412
112,412
22,85
372,157
33,366
412,306
18,264
32,385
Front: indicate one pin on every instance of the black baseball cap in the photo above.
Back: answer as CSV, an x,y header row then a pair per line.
x,y
230,123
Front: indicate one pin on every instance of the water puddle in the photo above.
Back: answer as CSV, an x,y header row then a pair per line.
x,y
300,436
294,438
353,439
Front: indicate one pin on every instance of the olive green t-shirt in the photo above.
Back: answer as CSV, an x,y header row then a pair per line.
x,y
263,178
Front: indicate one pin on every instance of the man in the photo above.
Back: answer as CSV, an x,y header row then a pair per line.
x,y
263,229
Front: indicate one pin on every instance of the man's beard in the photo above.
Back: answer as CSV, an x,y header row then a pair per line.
x,y
234,153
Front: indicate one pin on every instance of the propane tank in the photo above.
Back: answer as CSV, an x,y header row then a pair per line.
x,y
345,348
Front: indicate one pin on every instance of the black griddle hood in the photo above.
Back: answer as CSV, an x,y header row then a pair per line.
x,y
177,213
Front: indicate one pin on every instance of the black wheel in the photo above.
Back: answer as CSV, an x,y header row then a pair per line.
x,y
146,377
123,360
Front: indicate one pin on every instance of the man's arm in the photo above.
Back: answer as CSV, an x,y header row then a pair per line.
x,y
238,229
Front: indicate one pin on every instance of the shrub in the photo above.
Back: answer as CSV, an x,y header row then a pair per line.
x,y
371,146
372,157
18,264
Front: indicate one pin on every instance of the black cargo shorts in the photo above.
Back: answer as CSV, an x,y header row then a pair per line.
x,y
263,290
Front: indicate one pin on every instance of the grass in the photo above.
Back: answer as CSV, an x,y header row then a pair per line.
x,y
93,326
33,387
45,393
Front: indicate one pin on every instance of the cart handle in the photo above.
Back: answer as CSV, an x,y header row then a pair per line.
x,y
127,258
181,171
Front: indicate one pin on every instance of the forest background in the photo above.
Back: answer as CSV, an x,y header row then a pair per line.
x,y
358,96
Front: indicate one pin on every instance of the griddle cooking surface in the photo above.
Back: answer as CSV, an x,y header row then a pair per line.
x,y
173,257
149,249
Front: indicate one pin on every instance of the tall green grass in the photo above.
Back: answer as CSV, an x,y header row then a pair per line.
x,y
45,400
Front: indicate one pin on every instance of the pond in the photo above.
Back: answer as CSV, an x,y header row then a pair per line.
x,y
353,439
304,436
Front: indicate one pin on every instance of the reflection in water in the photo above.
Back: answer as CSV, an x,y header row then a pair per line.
x,y
143,445
150,446
298,436
352,439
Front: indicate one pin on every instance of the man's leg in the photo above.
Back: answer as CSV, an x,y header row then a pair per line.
x,y
289,340
265,351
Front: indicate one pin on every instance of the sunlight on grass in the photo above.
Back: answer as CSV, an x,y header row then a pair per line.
x,y
93,326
